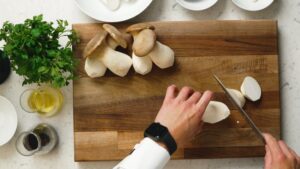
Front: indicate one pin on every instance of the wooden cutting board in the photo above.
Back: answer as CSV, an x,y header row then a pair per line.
x,y
111,113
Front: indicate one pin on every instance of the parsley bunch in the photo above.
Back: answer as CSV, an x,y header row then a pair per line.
x,y
35,52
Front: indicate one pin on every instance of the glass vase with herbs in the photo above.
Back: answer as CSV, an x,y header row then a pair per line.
x,y
36,53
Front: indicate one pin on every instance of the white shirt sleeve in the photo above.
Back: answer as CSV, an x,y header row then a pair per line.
x,y
147,155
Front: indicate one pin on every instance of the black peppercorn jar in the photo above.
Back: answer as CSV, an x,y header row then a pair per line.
x,y
4,67
40,140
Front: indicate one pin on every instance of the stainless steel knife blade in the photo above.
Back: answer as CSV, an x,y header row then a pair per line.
x,y
241,110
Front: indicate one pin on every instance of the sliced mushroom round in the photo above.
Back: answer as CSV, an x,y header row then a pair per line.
x,y
162,55
112,4
238,96
215,112
142,65
93,65
251,89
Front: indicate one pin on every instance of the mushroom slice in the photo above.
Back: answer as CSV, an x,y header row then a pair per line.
x,y
215,112
251,89
115,35
112,4
141,65
144,42
94,43
162,55
94,66
238,97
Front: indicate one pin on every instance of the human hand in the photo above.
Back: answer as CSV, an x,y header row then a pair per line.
x,y
279,155
182,112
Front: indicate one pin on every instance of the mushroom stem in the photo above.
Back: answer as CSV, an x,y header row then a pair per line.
x,y
117,62
142,65
94,67
162,55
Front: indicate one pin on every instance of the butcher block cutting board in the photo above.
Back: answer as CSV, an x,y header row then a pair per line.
x,y
111,113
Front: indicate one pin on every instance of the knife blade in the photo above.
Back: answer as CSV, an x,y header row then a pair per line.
x,y
241,110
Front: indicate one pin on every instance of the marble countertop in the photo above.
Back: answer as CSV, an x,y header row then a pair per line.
x,y
287,12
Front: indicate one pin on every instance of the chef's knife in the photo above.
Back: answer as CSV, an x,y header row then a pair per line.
x,y
242,111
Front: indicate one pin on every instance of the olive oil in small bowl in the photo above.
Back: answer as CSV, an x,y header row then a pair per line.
x,y
45,101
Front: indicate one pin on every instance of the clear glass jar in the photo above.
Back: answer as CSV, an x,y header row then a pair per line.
x,y
40,140
45,100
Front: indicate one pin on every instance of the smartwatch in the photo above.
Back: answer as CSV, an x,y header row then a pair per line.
x,y
160,133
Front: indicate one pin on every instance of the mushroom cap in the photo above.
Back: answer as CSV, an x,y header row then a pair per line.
x,y
128,38
94,43
144,42
138,27
115,34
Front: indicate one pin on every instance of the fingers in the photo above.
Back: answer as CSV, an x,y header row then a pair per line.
x,y
195,97
184,93
285,149
171,92
268,158
273,146
295,155
203,102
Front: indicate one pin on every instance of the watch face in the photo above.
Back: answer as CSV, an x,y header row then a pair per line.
x,y
156,131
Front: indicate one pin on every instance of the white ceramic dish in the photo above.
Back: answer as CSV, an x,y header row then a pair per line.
x,y
97,10
197,5
8,120
253,5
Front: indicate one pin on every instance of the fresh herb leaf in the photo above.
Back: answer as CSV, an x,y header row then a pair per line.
x,y
35,52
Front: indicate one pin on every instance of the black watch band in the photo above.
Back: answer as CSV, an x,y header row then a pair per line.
x,y
170,143
160,133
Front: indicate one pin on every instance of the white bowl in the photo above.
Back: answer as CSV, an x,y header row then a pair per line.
x,y
8,120
253,5
97,10
197,5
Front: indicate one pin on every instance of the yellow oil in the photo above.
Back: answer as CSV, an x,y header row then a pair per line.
x,y
46,101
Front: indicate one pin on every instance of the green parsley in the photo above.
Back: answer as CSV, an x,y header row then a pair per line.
x,y
35,52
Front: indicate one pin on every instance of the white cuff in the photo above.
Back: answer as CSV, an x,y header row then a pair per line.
x,y
147,155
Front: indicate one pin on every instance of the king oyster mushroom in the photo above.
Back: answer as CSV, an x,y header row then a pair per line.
x,y
93,64
117,62
144,39
147,49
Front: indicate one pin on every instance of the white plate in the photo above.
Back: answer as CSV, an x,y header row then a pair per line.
x,y
197,5
97,10
253,5
8,120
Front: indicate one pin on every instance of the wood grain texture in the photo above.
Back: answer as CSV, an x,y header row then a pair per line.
x,y
111,113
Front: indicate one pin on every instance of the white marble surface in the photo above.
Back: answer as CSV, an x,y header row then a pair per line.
x,y
287,12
